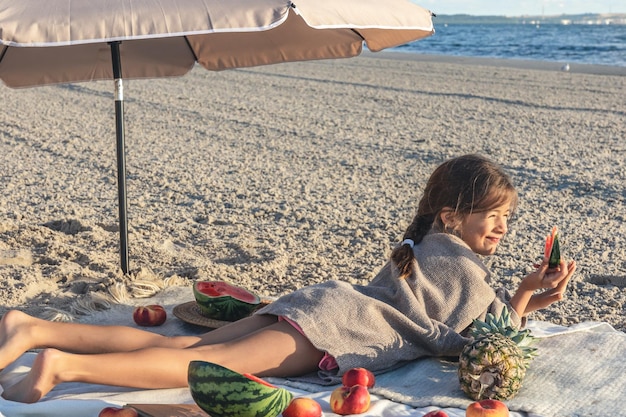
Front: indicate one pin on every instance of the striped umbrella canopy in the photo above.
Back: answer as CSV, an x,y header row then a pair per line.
x,y
65,41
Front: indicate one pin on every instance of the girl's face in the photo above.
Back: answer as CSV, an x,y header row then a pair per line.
x,y
483,231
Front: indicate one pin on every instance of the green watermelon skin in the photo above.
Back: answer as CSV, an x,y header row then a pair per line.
x,y
222,301
555,254
222,392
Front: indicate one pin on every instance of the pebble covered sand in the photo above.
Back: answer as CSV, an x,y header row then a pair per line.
x,y
278,177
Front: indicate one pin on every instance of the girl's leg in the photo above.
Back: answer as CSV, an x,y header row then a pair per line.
x,y
276,350
236,329
20,332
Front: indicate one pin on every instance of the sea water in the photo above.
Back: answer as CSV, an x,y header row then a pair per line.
x,y
575,43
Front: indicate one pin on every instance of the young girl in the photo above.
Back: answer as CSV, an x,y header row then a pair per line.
x,y
420,304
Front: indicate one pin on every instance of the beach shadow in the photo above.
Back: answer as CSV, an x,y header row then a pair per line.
x,y
440,94
598,187
615,280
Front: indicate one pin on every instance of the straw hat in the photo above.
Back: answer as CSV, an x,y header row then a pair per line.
x,y
190,312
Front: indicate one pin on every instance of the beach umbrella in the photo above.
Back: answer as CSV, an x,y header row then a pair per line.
x,y
66,41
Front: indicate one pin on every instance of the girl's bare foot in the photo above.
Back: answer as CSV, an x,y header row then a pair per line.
x,y
15,337
39,381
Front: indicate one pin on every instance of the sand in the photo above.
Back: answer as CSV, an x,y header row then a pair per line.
x,y
278,177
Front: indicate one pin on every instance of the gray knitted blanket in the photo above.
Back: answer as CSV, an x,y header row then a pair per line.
x,y
392,320
579,372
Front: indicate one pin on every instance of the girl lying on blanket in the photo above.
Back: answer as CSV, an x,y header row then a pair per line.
x,y
420,304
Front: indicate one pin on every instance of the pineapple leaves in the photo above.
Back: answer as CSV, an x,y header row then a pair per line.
x,y
494,362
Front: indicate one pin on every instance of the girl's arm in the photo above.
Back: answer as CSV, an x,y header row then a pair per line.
x,y
525,300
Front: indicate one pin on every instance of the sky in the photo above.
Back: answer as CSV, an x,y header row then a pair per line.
x,y
522,7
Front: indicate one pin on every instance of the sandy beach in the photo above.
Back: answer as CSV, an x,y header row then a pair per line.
x,y
282,176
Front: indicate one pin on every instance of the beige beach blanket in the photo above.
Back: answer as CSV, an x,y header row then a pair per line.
x,y
580,371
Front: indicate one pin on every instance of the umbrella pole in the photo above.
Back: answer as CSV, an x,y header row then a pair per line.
x,y
121,158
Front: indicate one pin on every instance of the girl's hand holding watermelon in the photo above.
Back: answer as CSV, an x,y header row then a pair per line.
x,y
553,275
552,278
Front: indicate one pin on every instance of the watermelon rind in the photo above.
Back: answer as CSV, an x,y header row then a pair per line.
x,y
222,392
220,300
552,249
555,253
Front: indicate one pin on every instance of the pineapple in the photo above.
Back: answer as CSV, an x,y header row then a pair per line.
x,y
494,363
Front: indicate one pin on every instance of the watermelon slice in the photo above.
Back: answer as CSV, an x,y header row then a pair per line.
x,y
552,250
222,392
222,301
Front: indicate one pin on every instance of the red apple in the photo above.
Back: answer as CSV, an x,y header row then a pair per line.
x,y
118,412
152,315
303,407
358,376
487,408
436,413
350,400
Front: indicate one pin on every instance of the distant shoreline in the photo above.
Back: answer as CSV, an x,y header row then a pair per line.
x,y
580,19
527,64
